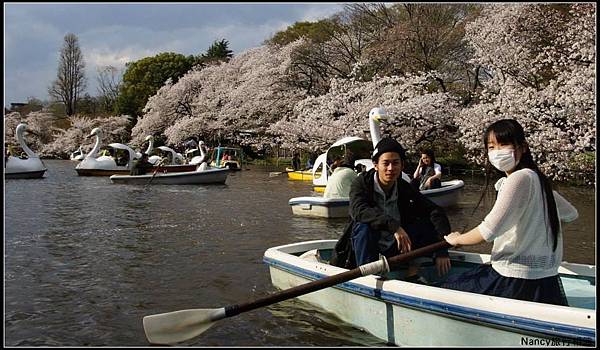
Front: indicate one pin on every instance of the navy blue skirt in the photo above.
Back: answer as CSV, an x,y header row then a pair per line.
x,y
485,280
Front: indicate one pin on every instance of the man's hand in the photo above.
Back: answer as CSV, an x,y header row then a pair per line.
x,y
443,265
403,240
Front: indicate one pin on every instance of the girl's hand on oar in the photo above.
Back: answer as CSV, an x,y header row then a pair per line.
x,y
453,238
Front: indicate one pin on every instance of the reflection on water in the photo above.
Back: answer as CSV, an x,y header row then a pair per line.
x,y
85,259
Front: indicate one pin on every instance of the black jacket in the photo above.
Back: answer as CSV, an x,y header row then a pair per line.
x,y
140,167
413,207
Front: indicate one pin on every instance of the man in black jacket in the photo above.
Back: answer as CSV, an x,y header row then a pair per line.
x,y
141,166
388,216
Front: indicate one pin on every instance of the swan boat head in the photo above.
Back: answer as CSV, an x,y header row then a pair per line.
x,y
377,116
202,157
150,140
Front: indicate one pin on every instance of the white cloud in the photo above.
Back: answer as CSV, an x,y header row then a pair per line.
x,y
317,12
114,34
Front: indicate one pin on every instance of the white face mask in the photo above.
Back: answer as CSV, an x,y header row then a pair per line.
x,y
503,159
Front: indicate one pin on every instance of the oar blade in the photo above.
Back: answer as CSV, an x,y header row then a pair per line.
x,y
175,327
275,173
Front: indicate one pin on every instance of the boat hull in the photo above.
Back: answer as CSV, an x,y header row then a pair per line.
x,y
101,172
404,313
320,207
446,196
26,175
319,189
211,176
298,175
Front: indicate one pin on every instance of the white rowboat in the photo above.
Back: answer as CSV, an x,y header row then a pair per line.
x,y
209,176
446,196
320,207
409,314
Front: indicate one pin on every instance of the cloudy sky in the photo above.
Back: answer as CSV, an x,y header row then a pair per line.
x,y
116,33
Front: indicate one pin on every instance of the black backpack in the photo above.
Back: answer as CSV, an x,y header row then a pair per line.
x,y
343,254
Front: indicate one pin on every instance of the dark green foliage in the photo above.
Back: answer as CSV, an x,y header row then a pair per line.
x,y
145,77
218,51
317,32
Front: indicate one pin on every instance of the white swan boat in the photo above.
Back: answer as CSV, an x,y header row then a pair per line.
x,y
177,162
31,167
445,196
94,165
409,314
175,157
321,170
151,158
78,155
197,155
204,177
376,117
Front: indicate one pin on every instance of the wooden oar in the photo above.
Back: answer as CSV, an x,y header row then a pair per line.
x,y
182,325
155,172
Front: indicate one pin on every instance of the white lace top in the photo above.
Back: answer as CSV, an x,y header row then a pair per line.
x,y
520,230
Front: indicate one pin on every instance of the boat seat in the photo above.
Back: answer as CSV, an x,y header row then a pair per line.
x,y
313,255
580,292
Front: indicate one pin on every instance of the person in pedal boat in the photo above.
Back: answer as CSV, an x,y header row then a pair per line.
x,y
338,185
428,174
524,225
296,161
390,217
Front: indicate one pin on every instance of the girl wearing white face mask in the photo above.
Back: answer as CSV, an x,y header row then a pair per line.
x,y
524,225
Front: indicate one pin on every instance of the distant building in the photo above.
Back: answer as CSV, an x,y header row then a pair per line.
x,y
17,105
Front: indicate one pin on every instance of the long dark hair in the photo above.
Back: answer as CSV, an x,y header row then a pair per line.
x,y
428,152
510,131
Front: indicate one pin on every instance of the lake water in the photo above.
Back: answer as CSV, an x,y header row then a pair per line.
x,y
86,260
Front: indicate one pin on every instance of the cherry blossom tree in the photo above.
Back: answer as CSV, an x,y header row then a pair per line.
x,y
533,62
541,59
414,111
247,93
11,120
65,141
40,130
